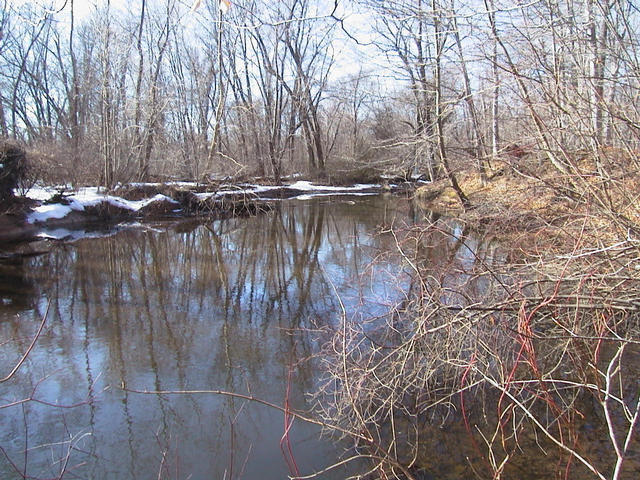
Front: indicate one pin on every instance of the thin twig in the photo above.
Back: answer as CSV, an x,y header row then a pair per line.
x,y
33,342
251,398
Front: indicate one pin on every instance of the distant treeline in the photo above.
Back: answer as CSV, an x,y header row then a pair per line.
x,y
156,89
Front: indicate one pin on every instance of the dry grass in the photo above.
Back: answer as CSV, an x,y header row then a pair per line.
x,y
531,205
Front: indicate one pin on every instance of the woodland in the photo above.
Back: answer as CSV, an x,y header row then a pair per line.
x,y
107,92
523,116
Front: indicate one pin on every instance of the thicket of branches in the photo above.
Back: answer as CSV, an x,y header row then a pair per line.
x,y
500,367
533,354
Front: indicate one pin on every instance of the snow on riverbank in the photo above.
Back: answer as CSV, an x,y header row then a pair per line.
x,y
81,201
85,198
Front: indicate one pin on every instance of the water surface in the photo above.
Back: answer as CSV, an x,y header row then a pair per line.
x,y
231,305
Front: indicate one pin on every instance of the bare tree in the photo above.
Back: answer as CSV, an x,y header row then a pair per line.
x,y
404,31
154,104
479,144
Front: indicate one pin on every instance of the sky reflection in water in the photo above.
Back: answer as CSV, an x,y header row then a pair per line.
x,y
221,306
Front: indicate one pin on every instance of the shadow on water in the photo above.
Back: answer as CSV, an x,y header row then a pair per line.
x,y
17,288
227,305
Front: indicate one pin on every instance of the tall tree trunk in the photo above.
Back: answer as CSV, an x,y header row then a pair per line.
x,y
478,138
439,39
106,107
74,99
4,131
596,60
215,137
495,126
137,137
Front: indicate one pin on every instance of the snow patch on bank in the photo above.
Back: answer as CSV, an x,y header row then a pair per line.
x,y
307,196
41,194
89,197
307,190
310,187
249,190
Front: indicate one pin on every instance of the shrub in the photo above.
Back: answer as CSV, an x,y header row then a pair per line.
x,y
13,168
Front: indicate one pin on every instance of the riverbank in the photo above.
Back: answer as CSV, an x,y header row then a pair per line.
x,y
523,336
541,210
53,212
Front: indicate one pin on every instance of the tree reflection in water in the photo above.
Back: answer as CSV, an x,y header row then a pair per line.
x,y
226,305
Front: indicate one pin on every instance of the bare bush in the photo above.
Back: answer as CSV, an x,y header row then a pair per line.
x,y
534,358
13,167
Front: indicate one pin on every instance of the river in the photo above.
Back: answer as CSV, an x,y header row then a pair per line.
x,y
231,305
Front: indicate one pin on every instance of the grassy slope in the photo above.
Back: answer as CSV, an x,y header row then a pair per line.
x,y
536,208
